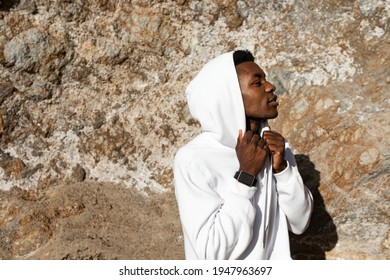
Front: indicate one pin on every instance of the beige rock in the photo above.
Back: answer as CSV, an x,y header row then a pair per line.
x,y
88,221
13,168
1,122
93,90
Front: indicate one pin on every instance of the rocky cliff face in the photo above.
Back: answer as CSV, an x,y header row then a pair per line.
x,y
91,95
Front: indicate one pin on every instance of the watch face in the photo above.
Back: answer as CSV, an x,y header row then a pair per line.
x,y
245,178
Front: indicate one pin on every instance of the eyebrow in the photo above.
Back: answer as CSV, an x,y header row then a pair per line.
x,y
259,75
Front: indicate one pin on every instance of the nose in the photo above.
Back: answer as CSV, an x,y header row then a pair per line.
x,y
270,87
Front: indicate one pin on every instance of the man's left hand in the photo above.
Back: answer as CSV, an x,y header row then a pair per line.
x,y
275,143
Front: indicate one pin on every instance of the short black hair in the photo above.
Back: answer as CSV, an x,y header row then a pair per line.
x,y
241,56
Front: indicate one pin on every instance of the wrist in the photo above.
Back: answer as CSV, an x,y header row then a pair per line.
x,y
280,167
248,171
245,178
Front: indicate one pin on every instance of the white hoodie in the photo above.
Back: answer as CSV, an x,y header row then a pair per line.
x,y
221,217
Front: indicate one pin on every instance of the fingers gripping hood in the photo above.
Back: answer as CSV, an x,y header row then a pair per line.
x,y
215,100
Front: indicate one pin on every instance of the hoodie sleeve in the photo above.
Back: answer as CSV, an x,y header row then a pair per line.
x,y
295,199
215,227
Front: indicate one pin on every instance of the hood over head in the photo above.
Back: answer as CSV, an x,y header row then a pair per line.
x,y
215,100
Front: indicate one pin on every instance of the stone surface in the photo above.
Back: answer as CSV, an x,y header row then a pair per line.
x,y
88,221
92,92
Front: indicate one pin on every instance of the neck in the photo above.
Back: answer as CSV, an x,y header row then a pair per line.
x,y
254,125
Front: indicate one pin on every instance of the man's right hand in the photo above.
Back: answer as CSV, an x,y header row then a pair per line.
x,y
251,152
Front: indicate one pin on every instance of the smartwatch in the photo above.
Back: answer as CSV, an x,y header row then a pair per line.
x,y
245,178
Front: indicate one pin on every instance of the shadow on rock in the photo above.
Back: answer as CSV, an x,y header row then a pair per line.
x,y
321,235
7,5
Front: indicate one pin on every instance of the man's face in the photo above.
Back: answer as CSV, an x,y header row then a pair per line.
x,y
258,94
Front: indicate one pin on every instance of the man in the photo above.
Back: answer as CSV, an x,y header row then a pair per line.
x,y
237,184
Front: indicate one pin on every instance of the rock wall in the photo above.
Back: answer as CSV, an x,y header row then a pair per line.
x,y
91,95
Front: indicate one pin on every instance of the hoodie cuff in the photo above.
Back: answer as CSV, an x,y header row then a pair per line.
x,y
241,189
284,175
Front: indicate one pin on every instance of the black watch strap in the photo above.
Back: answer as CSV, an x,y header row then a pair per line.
x,y
245,178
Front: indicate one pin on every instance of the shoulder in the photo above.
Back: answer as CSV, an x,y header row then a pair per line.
x,y
195,150
191,169
199,155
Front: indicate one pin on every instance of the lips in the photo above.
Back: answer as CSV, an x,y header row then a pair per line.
x,y
273,101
